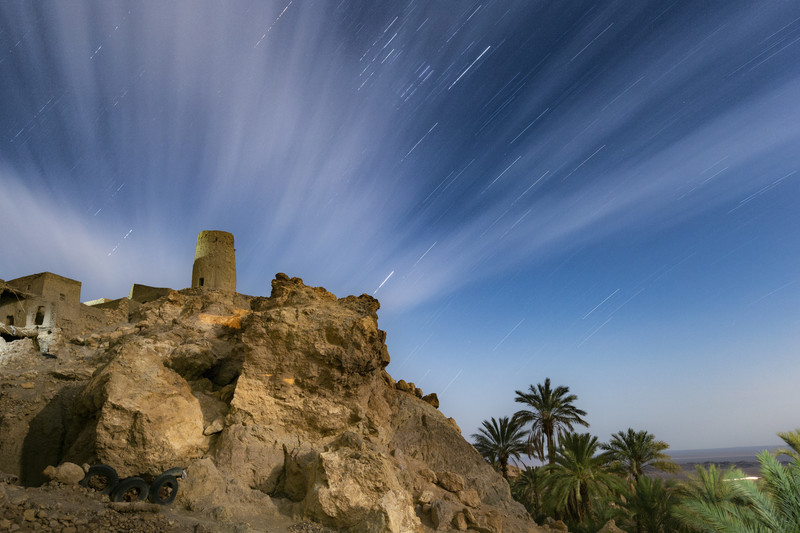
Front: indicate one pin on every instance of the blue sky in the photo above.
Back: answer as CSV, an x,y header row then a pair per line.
x,y
603,193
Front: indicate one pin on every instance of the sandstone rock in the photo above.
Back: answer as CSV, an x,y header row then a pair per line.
x,y
428,475
202,486
27,385
469,497
460,522
487,522
67,473
358,490
450,481
147,418
432,399
215,427
3,496
559,525
453,423
268,400
441,514
468,514
610,527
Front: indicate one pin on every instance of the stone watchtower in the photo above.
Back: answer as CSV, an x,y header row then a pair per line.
x,y
214,261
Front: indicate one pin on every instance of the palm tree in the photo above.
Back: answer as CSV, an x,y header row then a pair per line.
x,y
771,505
704,492
651,503
577,476
526,489
500,440
792,439
633,450
552,413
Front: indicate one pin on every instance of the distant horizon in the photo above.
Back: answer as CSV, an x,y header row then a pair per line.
x,y
770,447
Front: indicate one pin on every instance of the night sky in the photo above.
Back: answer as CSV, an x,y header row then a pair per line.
x,y
606,193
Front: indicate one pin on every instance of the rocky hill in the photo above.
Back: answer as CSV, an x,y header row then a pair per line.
x,y
280,409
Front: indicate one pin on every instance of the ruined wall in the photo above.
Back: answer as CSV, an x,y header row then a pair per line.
x,y
214,261
145,293
12,309
51,300
50,287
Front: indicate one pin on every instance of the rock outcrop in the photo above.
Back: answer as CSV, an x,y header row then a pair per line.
x,y
274,405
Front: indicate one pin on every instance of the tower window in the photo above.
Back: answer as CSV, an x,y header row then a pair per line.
x,y
39,320
202,280
62,297
10,320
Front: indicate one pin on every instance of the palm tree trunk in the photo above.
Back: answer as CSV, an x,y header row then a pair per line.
x,y
551,452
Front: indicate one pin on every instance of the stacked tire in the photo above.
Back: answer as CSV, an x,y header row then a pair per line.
x,y
162,490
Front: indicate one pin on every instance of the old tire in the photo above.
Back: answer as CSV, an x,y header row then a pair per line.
x,y
164,489
102,478
131,489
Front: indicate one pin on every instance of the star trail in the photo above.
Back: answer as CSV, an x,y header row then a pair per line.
x,y
603,193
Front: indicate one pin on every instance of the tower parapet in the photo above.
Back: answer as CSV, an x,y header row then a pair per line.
x,y
214,261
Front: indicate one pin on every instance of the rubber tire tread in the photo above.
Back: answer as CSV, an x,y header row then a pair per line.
x,y
130,483
101,470
160,481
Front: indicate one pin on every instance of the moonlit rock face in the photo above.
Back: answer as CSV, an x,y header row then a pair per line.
x,y
214,261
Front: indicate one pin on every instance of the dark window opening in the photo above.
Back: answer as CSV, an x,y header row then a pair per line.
x,y
39,316
62,297
201,281
10,320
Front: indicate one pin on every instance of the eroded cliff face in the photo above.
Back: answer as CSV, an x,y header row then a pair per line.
x,y
273,405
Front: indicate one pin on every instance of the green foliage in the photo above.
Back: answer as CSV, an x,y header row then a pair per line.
x,y
632,451
650,504
735,504
587,488
706,489
498,441
577,478
551,414
527,489
792,439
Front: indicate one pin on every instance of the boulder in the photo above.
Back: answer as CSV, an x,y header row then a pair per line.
x,y
215,427
428,475
469,497
66,473
450,481
359,490
442,513
432,399
489,521
460,522
148,420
